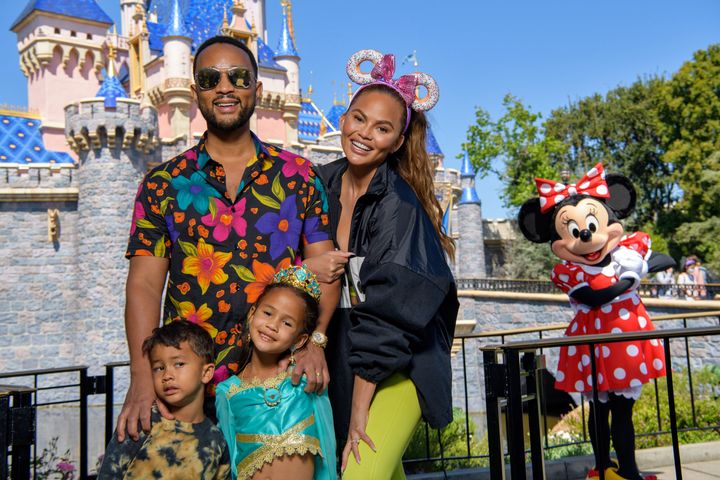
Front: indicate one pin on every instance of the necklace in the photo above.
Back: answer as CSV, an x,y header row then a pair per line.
x,y
271,392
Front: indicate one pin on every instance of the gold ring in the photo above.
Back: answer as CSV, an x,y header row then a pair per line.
x,y
356,441
318,374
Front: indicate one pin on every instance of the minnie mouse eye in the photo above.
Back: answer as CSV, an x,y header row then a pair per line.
x,y
592,223
573,229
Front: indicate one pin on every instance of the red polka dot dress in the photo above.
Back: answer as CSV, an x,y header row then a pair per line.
x,y
621,367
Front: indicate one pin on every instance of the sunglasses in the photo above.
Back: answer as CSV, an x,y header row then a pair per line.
x,y
209,77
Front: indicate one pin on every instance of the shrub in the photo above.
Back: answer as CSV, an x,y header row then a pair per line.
x,y
454,443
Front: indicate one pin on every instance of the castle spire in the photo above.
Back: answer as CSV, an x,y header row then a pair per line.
x,y
176,25
467,180
111,89
286,45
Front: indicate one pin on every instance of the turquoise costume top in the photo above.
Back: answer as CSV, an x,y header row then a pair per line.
x,y
264,420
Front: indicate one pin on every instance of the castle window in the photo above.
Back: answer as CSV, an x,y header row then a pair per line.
x,y
73,33
89,36
57,31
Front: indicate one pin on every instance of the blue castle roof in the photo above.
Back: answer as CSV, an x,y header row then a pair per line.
x,y
84,9
266,56
309,121
431,144
286,45
111,89
466,168
176,24
334,115
21,142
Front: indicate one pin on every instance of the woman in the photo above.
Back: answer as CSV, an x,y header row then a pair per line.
x,y
389,340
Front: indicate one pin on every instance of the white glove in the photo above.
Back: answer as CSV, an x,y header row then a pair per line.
x,y
629,264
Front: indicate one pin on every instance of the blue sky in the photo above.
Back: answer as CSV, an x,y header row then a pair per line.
x,y
546,53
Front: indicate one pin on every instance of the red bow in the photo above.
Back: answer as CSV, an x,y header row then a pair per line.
x,y
552,193
405,85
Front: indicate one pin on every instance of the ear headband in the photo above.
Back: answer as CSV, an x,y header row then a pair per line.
x,y
592,184
382,74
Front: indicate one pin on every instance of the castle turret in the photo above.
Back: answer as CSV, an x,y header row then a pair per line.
x,y
60,46
471,248
114,146
287,56
177,45
127,10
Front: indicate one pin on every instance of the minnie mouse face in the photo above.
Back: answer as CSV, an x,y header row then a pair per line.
x,y
587,231
581,228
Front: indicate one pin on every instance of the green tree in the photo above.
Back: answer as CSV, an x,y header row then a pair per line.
x,y
622,130
691,131
517,139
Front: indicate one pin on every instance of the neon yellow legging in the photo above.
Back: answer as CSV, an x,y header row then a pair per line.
x,y
394,414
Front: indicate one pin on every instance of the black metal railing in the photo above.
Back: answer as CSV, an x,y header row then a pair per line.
x,y
496,377
671,291
512,366
43,382
495,381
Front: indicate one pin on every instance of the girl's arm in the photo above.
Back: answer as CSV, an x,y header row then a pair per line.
x,y
363,392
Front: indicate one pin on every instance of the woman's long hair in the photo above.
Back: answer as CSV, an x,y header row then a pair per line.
x,y
416,168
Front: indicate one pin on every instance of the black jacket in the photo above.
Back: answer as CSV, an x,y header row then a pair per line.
x,y
406,318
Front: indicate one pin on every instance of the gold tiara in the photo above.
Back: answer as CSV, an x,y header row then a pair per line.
x,y
301,278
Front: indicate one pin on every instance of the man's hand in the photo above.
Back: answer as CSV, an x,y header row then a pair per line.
x,y
138,403
310,360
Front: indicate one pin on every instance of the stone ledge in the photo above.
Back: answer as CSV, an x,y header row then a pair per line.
x,y
39,194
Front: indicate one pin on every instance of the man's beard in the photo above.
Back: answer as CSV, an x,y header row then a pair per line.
x,y
227,125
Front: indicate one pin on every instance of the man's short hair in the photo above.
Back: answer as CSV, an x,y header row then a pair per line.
x,y
178,331
230,41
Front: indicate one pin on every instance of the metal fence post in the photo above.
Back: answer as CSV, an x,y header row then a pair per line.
x,y
494,387
533,364
513,415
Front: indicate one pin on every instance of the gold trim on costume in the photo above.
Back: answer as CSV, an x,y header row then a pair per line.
x,y
291,442
272,382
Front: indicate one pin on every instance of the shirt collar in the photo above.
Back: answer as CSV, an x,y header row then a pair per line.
x,y
203,157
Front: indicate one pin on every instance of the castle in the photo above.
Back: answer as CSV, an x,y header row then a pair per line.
x,y
105,103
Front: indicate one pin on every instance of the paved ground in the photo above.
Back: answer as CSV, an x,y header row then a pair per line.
x,y
692,471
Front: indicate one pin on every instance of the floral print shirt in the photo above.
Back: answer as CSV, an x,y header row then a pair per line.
x,y
223,254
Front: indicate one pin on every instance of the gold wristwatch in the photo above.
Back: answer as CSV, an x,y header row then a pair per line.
x,y
319,339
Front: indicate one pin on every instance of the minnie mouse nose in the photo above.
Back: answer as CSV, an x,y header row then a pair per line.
x,y
585,235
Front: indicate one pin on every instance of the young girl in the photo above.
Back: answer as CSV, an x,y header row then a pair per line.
x,y
274,429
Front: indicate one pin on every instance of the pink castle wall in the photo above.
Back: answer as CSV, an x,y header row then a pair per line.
x,y
270,125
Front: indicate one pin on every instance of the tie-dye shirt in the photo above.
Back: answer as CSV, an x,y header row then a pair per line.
x,y
173,450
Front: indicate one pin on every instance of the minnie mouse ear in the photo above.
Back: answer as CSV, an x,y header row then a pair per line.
x,y
537,227
622,195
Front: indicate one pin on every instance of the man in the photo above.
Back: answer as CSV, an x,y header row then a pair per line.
x,y
221,219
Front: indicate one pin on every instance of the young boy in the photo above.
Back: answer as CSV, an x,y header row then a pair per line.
x,y
191,446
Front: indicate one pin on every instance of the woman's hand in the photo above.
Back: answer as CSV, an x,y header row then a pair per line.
x,y
356,434
329,266
363,391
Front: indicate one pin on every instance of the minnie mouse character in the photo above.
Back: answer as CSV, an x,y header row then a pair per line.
x,y
600,272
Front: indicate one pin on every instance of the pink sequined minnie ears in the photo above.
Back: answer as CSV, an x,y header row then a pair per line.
x,y
382,73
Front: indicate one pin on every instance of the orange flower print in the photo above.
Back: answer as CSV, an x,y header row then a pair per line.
x,y
204,232
291,185
223,306
184,287
220,293
260,247
254,210
264,273
192,222
207,266
262,179
198,316
179,216
160,192
221,337
242,244
233,287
